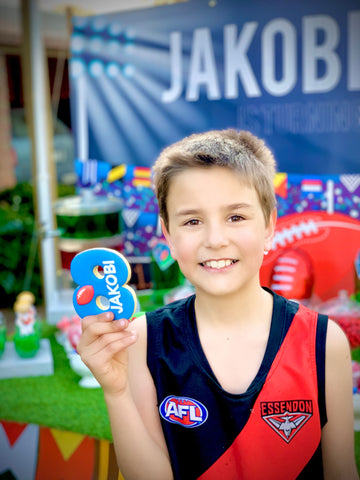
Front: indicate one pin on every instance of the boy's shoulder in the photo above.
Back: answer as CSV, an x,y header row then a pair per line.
x,y
337,341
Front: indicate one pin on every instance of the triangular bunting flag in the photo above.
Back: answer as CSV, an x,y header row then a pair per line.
x,y
13,430
65,455
67,442
351,182
130,216
19,459
280,184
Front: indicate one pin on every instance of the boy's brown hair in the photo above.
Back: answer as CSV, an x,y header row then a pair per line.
x,y
240,151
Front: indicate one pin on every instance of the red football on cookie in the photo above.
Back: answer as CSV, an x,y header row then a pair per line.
x,y
85,295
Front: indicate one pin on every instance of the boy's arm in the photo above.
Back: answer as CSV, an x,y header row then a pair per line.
x,y
142,452
337,439
116,354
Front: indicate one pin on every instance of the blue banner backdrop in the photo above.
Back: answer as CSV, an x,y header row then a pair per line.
x,y
288,72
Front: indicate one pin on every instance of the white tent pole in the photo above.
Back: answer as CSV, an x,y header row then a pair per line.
x,y
82,144
42,179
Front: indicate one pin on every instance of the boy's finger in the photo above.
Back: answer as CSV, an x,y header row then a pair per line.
x,y
103,323
101,317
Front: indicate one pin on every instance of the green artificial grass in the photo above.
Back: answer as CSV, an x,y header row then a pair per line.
x,y
55,401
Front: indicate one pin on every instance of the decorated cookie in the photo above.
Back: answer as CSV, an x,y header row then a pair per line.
x,y
102,275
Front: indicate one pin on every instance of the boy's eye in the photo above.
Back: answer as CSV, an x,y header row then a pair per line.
x,y
193,221
236,218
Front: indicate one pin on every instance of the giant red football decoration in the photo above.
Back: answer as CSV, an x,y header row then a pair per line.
x,y
330,240
292,274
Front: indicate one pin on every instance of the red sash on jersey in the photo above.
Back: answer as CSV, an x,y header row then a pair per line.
x,y
283,431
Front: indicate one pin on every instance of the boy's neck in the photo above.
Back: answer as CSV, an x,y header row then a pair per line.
x,y
251,306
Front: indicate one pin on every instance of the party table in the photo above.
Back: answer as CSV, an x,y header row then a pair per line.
x,y
51,428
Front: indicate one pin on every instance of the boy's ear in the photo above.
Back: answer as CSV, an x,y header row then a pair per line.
x,y
270,230
167,238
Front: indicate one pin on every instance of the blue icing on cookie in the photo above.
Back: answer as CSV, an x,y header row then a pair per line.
x,y
102,275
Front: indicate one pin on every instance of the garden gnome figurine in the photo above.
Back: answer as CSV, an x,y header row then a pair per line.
x,y
27,335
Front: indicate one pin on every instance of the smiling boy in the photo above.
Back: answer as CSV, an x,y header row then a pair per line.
x,y
234,382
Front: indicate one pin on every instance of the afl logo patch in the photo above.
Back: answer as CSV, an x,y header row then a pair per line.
x,y
184,411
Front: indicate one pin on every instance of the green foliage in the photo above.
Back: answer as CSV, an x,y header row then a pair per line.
x,y
17,231
19,244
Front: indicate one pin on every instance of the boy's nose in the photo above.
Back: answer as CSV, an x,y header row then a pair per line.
x,y
215,236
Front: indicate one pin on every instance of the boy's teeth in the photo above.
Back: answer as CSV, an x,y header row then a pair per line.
x,y
218,263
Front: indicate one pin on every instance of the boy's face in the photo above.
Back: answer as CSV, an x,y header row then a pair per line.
x,y
217,230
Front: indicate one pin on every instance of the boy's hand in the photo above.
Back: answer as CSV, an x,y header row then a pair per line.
x,y
103,348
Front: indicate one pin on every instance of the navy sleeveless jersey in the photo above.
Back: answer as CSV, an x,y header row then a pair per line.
x,y
272,430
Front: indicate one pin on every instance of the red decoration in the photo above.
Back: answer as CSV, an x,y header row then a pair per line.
x,y
85,295
292,274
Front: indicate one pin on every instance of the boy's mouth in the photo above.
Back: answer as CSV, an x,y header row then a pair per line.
x,y
218,264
